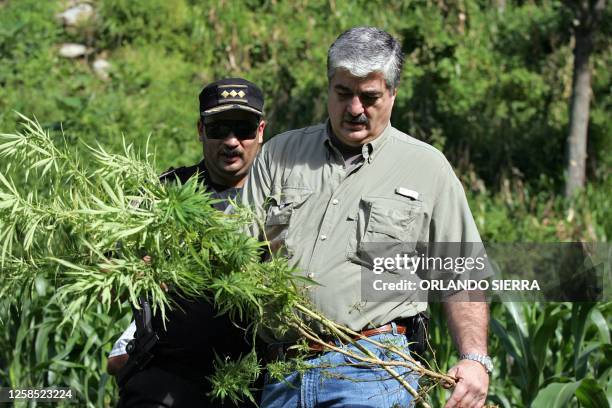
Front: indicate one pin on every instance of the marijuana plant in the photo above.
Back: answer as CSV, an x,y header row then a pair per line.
x,y
84,222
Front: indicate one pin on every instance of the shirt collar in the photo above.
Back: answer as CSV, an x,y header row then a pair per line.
x,y
368,150
378,143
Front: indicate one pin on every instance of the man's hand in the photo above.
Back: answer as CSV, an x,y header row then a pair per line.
x,y
472,385
149,261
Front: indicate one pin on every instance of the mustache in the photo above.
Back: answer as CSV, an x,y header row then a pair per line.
x,y
362,119
232,152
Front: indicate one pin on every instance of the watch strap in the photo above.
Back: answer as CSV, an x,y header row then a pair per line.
x,y
486,361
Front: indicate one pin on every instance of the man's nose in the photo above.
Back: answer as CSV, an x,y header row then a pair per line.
x,y
355,107
231,140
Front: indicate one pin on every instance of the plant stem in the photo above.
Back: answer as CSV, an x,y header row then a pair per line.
x,y
336,328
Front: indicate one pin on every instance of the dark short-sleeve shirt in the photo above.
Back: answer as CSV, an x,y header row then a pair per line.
x,y
193,332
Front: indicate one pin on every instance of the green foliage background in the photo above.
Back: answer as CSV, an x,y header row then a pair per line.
x,y
488,82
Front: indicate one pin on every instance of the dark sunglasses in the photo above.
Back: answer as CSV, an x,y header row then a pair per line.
x,y
221,129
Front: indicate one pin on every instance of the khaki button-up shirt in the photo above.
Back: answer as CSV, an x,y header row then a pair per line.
x,y
322,213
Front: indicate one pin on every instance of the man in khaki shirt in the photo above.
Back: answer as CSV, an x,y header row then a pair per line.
x,y
326,191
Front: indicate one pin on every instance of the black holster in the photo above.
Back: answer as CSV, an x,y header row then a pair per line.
x,y
419,333
139,348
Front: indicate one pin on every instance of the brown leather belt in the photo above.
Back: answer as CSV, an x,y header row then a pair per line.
x,y
287,351
387,328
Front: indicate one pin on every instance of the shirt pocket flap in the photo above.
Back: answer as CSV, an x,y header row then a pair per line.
x,y
392,217
293,196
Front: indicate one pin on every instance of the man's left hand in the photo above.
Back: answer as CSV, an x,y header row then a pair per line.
x,y
472,385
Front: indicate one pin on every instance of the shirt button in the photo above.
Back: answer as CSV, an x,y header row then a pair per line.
x,y
335,201
323,237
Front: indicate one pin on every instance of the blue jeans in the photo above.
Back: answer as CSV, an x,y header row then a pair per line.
x,y
336,380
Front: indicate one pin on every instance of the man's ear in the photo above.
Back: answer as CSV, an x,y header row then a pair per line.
x,y
260,131
200,130
393,94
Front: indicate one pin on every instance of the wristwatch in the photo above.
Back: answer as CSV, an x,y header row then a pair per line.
x,y
484,360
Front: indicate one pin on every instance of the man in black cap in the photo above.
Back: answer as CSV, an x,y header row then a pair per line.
x,y
231,129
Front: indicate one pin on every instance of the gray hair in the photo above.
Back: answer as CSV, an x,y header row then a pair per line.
x,y
363,50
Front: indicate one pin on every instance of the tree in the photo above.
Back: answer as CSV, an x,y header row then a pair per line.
x,y
588,13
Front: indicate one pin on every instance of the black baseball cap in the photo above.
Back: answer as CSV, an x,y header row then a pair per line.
x,y
231,93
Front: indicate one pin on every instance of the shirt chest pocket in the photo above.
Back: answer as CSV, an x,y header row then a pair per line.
x,y
383,227
280,222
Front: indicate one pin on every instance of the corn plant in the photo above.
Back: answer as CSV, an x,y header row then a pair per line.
x,y
552,355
